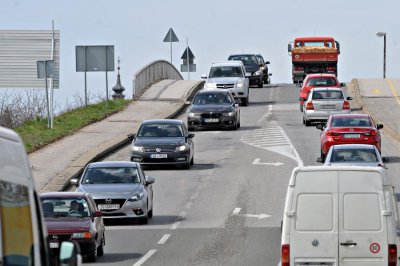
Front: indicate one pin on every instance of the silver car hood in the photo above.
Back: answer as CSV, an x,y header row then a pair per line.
x,y
113,191
227,80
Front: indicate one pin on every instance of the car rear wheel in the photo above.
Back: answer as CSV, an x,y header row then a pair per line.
x,y
260,84
192,160
245,101
191,128
307,122
322,156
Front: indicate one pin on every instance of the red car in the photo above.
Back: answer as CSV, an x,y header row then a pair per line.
x,y
349,129
315,81
74,216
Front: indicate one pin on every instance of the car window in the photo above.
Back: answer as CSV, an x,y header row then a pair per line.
x,y
247,60
314,43
111,175
327,95
354,155
160,130
212,98
16,224
350,122
225,71
321,82
65,207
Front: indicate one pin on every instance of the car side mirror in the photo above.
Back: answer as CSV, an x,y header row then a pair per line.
x,y
203,76
236,105
131,136
319,160
349,98
342,84
267,62
385,159
74,181
190,135
320,126
70,254
150,180
379,126
289,48
269,74
302,99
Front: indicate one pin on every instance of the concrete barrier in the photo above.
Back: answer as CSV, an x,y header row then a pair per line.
x,y
152,73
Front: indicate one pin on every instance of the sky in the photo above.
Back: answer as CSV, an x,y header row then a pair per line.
x,y
215,29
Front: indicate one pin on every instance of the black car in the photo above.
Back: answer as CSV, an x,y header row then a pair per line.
x,y
253,68
213,109
163,142
264,67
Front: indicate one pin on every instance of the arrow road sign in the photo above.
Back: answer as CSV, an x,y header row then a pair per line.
x,y
260,216
258,161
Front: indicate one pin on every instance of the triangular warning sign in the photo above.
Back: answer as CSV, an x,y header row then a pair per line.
x,y
184,55
171,36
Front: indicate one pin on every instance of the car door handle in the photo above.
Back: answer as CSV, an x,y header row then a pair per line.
x,y
348,244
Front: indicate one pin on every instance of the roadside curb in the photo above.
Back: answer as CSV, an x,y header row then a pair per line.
x,y
386,129
62,181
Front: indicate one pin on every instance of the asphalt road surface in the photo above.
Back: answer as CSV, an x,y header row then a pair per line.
x,y
227,209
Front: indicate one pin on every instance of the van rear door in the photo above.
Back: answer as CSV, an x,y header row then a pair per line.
x,y
314,222
363,238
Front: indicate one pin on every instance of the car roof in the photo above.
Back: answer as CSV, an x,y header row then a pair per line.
x,y
353,146
214,91
350,115
241,54
326,89
163,121
319,75
227,63
64,195
112,164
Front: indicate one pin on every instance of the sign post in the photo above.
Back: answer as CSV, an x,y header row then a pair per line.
x,y
171,37
45,69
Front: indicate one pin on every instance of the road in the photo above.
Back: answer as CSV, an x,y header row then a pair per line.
x,y
227,209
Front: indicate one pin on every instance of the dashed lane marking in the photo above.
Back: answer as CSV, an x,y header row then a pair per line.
x,y
164,239
145,257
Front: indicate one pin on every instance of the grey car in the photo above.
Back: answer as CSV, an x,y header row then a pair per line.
x,y
120,189
354,154
323,102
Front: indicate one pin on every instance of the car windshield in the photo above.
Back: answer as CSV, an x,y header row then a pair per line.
x,y
225,71
248,60
321,82
111,175
353,155
160,130
351,122
65,207
212,98
327,95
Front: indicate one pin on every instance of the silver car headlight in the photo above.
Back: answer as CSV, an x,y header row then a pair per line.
x,y
229,114
240,85
211,86
137,148
181,148
194,114
137,197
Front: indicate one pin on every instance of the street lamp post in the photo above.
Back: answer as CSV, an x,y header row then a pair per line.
x,y
383,34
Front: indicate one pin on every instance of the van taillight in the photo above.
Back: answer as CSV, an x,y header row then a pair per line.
x,y
346,105
285,255
310,106
392,260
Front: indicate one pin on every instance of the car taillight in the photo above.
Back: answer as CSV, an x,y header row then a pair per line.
x,y
392,260
285,255
371,133
330,133
310,106
331,68
346,105
298,68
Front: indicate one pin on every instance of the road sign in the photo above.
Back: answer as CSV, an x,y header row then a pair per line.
x,y
45,69
185,54
171,36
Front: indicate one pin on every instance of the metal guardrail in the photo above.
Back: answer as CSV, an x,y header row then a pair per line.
x,y
152,73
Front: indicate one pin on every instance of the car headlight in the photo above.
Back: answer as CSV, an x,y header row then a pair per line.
x,y
137,148
83,235
229,114
137,197
211,86
194,115
240,85
182,148
257,73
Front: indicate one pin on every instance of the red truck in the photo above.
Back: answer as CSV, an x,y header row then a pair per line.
x,y
313,55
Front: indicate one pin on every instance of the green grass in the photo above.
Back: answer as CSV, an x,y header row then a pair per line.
x,y
36,135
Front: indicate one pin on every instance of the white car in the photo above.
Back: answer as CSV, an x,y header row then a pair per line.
x,y
354,154
229,75
323,102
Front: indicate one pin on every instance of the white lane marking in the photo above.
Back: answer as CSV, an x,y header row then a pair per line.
x,y
236,211
258,161
175,225
258,216
145,257
164,239
268,113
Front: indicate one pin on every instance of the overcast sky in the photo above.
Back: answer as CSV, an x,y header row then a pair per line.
x,y
215,28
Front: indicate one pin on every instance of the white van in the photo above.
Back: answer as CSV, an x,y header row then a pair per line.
x,y
339,216
23,235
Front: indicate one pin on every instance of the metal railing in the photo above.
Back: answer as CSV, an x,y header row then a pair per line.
x,y
152,73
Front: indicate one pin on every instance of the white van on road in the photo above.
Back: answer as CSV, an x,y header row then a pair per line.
x,y
344,215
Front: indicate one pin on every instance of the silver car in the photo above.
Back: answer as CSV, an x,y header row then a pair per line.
x,y
354,154
323,102
229,75
120,189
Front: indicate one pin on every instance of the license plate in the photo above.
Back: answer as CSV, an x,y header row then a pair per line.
x,y
158,156
248,74
211,120
328,106
108,206
54,245
351,136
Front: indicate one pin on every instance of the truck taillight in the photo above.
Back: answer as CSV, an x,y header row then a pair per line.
x,y
392,255
346,105
285,255
310,106
298,69
331,69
